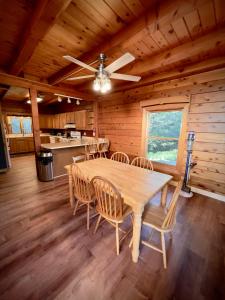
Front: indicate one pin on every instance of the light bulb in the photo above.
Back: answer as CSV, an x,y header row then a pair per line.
x,y
39,99
78,102
68,100
59,99
103,88
28,101
96,85
108,85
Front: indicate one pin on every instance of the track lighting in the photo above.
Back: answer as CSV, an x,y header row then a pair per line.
x,y
60,98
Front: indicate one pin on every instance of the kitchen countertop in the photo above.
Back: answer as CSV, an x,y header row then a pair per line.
x,y
62,145
20,135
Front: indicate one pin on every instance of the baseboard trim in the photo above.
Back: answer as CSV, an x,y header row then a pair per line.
x,y
208,194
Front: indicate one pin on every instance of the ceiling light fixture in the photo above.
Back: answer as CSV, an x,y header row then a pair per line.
x,y
102,82
39,99
60,98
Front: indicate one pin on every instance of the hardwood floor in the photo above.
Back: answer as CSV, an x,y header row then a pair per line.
x,y
46,253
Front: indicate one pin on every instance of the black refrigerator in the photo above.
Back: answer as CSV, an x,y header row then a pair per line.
x,y
4,149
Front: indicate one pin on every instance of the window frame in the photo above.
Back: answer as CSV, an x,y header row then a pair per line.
x,y
184,107
21,118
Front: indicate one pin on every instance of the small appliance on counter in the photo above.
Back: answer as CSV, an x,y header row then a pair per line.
x,y
75,134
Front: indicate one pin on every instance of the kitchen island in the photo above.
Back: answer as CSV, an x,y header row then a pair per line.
x,y
64,151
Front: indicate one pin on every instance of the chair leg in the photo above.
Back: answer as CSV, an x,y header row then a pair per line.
x,y
163,249
75,208
88,216
97,224
117,240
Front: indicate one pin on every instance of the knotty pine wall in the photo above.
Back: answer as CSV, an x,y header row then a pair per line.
x,y
120,120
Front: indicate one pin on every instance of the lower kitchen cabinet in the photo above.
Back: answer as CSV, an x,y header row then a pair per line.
x,y
21,145
24,144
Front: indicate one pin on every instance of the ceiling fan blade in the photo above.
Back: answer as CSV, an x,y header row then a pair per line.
x,y
80,63
81,77
125,77
120,62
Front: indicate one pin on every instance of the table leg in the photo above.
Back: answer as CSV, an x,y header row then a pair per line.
x,y
72,201
136,233
164,195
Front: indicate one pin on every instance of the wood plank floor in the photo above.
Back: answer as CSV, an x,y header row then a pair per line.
x,y
46,253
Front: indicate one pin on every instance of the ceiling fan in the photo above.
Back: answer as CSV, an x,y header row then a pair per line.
x,y
103,74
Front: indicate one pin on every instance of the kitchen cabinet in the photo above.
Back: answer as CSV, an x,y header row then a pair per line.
x,y
81,119
21,145
24,144
70,117
62,120
56,121
46,121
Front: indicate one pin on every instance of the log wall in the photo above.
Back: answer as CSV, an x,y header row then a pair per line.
x,y
120,120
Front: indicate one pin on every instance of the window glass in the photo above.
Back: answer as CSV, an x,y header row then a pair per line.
x,y
27,128
15,123
163,136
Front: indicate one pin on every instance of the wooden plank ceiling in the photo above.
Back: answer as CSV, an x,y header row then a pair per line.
x,y
162,35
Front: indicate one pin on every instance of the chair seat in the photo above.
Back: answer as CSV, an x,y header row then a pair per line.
x,y
127,210
154,215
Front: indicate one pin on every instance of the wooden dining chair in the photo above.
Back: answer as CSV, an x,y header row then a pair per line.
x,y
121,157
142,162
79,158
110,206
83,192
91,150
103,148
162,219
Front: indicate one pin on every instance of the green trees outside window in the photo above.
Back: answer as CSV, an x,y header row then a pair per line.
x,y
163,136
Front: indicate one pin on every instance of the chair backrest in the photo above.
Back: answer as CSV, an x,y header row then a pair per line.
x,y
91,148
104,145
78,158
109,200
142,162
171,211
83,190
121,157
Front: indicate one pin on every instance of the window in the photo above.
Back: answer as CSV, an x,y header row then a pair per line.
x,y
19,125
163,130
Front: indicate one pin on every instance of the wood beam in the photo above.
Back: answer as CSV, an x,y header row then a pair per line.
x,y
35,120
43,18
197,68
152,19
203,45
42,87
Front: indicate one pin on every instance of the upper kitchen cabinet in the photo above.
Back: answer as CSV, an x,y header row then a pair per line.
x,y
81,119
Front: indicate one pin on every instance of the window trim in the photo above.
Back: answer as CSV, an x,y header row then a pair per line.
x,y
184,107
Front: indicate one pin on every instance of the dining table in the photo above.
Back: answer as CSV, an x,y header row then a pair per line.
x,y
136,185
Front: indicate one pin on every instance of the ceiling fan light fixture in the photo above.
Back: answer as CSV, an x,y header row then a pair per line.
x,y
97,84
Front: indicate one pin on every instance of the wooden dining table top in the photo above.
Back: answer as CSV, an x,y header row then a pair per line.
x,y
136,185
